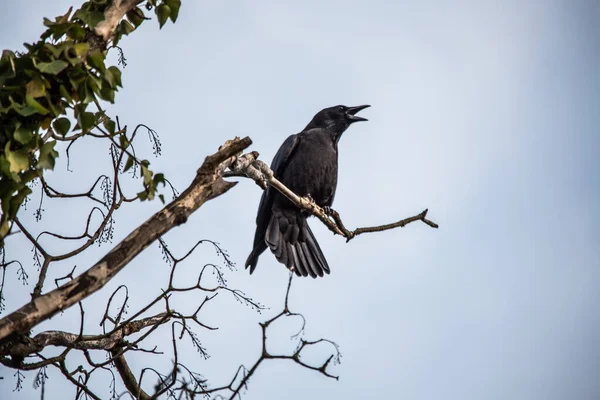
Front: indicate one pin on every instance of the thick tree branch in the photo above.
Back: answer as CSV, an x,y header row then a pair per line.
x,y
76,341
207,185
112,16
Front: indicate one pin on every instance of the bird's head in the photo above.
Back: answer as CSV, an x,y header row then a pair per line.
x,y
336,119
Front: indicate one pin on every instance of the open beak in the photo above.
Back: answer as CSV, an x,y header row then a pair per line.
x,y
351,113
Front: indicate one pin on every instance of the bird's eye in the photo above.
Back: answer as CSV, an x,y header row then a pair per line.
x,y
341,108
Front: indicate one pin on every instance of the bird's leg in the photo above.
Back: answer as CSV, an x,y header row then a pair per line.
x,y
287,292
311,202
309,198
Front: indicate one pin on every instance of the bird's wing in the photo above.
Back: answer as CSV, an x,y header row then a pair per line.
x,y
277,166
263,216
283,155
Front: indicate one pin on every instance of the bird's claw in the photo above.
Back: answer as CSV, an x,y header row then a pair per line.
x,y
328,211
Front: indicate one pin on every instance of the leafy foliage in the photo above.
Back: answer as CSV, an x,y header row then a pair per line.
x,y
62,76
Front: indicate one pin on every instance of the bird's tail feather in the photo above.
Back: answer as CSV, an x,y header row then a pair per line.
x,y
292,242
253,257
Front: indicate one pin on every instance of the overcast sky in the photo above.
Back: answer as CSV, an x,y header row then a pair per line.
x,y
487,113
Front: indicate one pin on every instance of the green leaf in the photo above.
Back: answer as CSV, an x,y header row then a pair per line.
x,y
36,88
109,125
7,68
55,50
87,91
64,93
125,27
123,141
4,227
112,76
71,53
52,68
24,111
65,17
116,75
18,160
159,178
29,175
128,164
86,120
77,76
92,84
89,17
76,32
96,60
17,199
58,30
47,156
107,94
163,12
79,108
23,135
81,48
146,173
62,125
174,6
33,103
85,95
136,16
6,185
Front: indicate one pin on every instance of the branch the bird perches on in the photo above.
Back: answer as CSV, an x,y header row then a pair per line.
x,y
249,166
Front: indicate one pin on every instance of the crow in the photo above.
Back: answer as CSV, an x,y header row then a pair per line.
x,y
307,163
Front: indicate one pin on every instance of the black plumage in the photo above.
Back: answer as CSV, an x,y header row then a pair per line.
x,y
307,163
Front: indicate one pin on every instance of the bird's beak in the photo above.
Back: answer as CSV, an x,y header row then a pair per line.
x,y
351,113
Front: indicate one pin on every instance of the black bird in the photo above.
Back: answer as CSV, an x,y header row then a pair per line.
x,y
307,163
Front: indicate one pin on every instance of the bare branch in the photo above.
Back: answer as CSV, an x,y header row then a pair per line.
x,y
296,356
249,166
128,378
207,185
78,341
400,224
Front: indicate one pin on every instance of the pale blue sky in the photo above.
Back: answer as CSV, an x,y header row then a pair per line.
x,y
487,113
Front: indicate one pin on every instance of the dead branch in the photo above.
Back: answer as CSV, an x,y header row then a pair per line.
x,y
76,341
127,376
207,185
249,166
295,356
